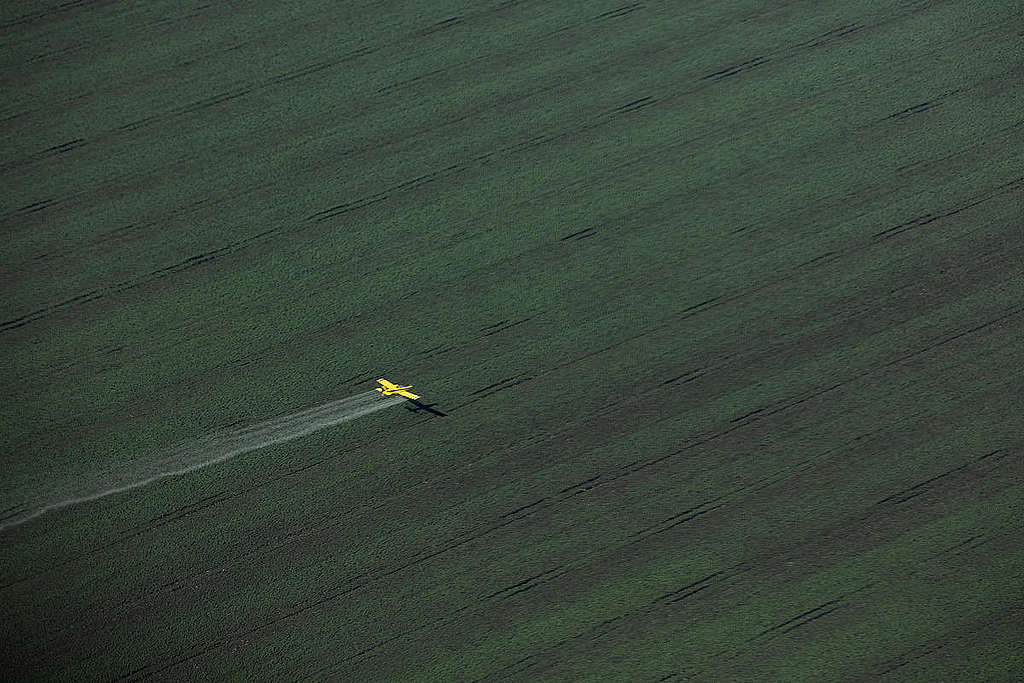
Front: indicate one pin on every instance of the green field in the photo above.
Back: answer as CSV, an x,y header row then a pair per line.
x,y
722,303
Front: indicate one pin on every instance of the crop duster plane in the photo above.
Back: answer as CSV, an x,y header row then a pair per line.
x,y
389,389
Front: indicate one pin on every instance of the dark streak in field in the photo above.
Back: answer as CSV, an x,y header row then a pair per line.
x,y
805,617
522,587
643,613
830,36
1009,620
919,488
432,350
335,211
11,512
621,11
408,81
139,123
918,108
339,209
152,669
1009,314
828,255
436,351
677,519
38,206
578,235
696,373
746,415
989,455
529,143
442,25
130,533
910,111
189,108
277,79
1005,188
689,589
702,304
196,506
513,668
57,10
510,325
581,484
596,631
525,507
66,146
427,178
643,464
635,105
125,285
735,69
968,544
299,73
900,664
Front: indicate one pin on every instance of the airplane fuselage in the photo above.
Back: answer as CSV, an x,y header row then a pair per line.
x,y
388,392
389,389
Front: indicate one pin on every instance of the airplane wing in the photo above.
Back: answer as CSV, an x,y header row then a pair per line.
x,y
407,394
386,384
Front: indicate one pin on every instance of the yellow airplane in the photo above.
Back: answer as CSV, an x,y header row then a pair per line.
x,y
388,389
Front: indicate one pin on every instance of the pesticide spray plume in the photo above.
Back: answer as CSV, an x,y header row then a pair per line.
x,y
209,450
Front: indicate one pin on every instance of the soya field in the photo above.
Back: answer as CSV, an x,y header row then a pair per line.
x,y
716,309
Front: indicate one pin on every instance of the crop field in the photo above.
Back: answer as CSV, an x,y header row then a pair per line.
x,y
717,309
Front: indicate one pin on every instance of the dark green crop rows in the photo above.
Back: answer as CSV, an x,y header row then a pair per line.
x,y
722,301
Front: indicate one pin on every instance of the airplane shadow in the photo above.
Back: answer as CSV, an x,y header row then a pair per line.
x,y
428,407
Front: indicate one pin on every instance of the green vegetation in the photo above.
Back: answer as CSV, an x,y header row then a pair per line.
x,y
721,301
